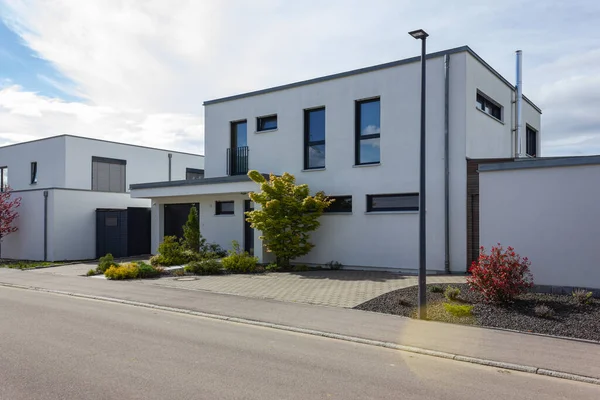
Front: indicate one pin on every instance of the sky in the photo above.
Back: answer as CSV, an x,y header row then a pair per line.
x,y
138,71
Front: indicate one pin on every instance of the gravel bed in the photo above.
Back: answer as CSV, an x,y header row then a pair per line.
x,y
570,318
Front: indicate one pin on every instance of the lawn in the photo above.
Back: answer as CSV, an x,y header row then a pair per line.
x,y
19,264
569,318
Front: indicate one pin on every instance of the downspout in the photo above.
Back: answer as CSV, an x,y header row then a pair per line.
x,y
45,225
170,157
519,149
447,163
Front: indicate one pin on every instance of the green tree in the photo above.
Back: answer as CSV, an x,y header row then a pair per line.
x,y
192,239
287,215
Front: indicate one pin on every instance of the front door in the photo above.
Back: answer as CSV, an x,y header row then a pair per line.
x,y
248,231
175,216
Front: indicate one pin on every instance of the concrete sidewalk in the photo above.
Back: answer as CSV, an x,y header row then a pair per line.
x,y
543,352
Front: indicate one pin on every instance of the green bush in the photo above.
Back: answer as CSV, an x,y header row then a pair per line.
x,y
105,263
170,253
212,250
459,310
334,265
192,239
206,267
148,271
272,267
300,268
582,296
179,272
436,289
124,271
239,261
452,293
91,272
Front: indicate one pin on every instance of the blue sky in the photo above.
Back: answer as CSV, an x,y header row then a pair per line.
x,y
138,71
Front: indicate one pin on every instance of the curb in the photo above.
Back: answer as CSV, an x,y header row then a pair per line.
x,y
353,339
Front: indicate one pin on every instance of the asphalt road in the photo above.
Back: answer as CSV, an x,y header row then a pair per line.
x,y
59,347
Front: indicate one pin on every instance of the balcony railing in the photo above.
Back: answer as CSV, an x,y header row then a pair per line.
x,y
237,161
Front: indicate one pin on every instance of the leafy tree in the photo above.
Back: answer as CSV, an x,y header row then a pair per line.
x,y
287,215
8,212
192,240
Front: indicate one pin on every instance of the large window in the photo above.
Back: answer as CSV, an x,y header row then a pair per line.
x,y
314,138
531,141
224,207
193,173
368,131
108,174
33,173
3,178
393,202
489,106
239,134
341,204
266,123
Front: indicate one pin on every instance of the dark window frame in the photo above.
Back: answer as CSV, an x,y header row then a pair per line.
x,y
193,171
260,121
358,137
308,143
329,210
3,182
34,171
233,133
491,103
219,207
107,160
370,198
529,143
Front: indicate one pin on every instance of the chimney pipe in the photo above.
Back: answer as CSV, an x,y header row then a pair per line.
x,y
519,146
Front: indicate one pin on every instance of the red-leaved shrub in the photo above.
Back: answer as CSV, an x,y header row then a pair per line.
x,y
500,275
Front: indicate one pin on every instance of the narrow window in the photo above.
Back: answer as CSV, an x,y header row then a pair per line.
x,y
3,178
33,172
314,138
531,141
224,207
193,173
393,202
108,175
489,106
341,204
368,131
266,123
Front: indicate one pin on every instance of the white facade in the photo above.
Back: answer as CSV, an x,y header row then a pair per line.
x,y
383,240
64,172
549,211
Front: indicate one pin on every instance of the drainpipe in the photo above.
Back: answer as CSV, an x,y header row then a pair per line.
x,y
45,225
170,157
519,99
447,163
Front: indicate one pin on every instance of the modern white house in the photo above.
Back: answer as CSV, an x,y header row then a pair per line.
x,y
75,200
355,136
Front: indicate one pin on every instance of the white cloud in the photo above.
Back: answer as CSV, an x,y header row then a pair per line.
x,y
163,58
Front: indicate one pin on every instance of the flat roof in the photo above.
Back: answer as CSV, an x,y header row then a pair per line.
x,y
541,163
193,182
371,69
99,140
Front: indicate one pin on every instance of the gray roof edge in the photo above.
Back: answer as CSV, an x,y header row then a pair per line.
x,y
541,163
193,182
358,71
67,135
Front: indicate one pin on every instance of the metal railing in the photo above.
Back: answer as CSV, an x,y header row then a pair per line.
x,y
237,161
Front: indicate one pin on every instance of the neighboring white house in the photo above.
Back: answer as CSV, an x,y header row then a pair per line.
x,y
63,180
549,211
356,135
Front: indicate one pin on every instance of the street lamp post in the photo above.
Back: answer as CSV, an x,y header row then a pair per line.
x,y
422,35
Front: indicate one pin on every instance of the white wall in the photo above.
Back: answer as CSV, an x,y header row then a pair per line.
x,y
551,216
143,164
28,242
486,136
49,155
72,232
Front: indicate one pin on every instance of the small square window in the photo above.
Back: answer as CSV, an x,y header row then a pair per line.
x,y
393,202
341,204
224,207
266,123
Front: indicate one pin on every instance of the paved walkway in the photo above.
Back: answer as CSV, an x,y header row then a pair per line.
x,y
331,288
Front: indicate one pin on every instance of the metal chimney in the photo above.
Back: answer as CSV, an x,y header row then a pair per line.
x,y
519,123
